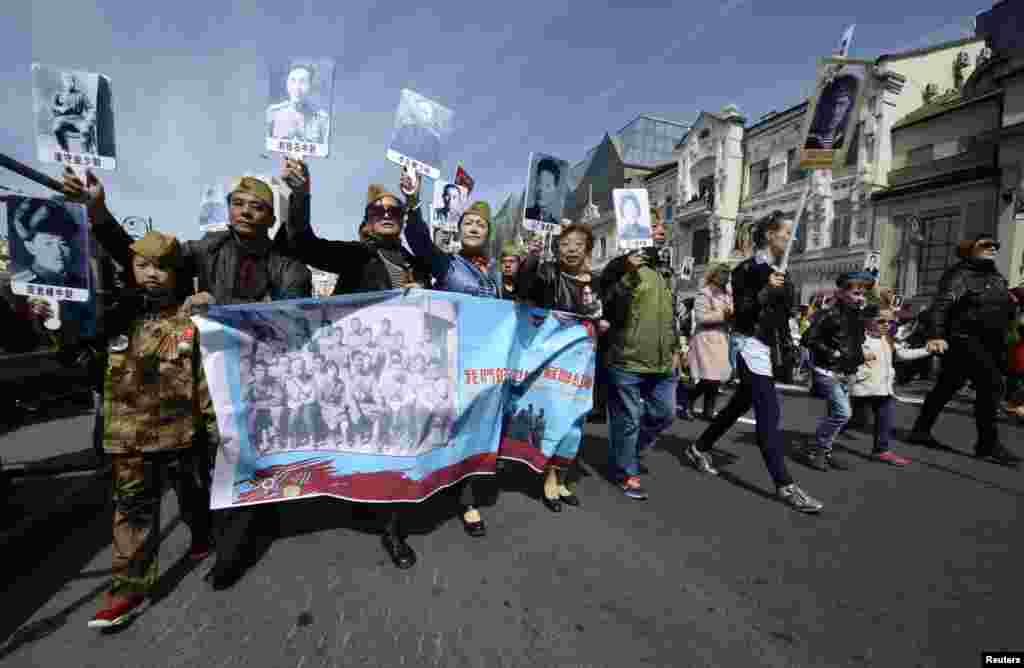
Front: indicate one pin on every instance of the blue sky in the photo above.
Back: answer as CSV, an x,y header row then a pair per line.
x,y
190,79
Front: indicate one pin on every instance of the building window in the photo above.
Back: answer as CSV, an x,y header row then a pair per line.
x,y
701,246
938,251
668,213
841,227
604,247
759,177
793,162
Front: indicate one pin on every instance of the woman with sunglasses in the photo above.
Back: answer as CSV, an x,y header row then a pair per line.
x,y
379,263
970,315
467,272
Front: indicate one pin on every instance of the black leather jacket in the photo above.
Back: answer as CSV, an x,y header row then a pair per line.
x,y
837,329
763,311
973,300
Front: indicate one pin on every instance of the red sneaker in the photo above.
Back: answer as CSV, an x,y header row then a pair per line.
x,y
119,610
890,457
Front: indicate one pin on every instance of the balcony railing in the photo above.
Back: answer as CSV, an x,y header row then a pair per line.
x,y
969,155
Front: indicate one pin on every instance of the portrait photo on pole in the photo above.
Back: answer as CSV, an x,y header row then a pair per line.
x,y
833,112
298,115
632,218
74,117
546,189
49,247
421,131
213,208
450,200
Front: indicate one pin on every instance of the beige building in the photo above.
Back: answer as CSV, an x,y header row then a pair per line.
x,y
842,221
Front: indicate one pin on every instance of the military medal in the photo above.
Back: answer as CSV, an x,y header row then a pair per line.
x,y
185,340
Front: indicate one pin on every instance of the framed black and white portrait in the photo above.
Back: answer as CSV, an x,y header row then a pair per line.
x,y
49,247
450,200
546,189
632,218
421,131
74,117
298,115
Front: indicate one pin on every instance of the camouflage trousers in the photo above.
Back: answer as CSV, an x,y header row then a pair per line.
x,y
139,483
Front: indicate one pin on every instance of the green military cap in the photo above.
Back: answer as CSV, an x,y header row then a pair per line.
x,y
161,248
480,208
256,188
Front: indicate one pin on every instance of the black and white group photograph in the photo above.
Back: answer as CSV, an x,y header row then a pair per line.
x,y
74,117
298,116
372,380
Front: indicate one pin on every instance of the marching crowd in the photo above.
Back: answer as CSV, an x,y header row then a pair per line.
x,y
155,417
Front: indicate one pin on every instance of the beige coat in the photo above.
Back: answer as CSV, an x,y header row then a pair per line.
x,y
709,345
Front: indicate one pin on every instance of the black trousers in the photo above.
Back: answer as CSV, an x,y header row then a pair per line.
x,y
981,362
708,388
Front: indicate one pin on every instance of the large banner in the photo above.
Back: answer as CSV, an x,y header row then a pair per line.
x,y
832,115
389,396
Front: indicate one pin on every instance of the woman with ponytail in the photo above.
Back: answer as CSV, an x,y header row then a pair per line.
x,y
763,298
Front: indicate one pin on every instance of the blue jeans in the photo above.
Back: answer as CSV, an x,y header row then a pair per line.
x,y
640,406
836,393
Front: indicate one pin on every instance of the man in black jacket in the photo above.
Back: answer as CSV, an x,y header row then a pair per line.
x,y
968,325
835,340
236,266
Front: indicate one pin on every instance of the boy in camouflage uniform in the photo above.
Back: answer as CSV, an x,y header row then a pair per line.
x,y
158,411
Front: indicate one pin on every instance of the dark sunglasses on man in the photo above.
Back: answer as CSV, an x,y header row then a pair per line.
x,y
380,212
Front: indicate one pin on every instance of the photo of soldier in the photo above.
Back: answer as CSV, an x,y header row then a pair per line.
x,y
262,395
74,118
48,245
304,115
547,189
334,407
303,410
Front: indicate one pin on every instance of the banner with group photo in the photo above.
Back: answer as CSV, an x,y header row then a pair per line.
x,y
389,396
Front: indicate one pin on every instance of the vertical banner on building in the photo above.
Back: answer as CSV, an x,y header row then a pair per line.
x,y
74,116
387,396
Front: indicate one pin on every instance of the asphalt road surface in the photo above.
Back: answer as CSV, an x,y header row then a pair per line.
x,y
905,567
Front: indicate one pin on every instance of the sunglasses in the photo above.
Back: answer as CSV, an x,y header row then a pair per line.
x,y
379,211
988,245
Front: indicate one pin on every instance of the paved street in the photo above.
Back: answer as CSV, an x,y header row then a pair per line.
x,y
917,567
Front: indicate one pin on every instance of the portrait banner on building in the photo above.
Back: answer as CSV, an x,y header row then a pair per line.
x,y
632,218
388,396
74,117
299,111
422,128
832,116
547,186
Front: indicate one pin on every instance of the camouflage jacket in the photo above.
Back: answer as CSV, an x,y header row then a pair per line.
x,y
155,394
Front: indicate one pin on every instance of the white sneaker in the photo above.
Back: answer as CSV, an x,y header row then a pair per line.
x,y
800,500
700,460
